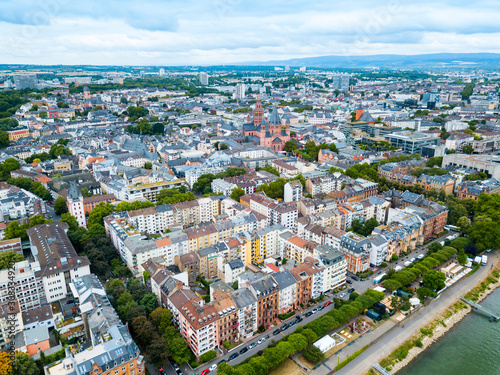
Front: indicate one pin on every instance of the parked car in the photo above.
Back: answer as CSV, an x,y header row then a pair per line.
x,y
161,371
350,290
321,307
244,350
277,332
354,278
348,281
314,311
342,295
299,319
205,372
328,303
284,327
261,341
233,356
213,367
221,361
251,346
308,314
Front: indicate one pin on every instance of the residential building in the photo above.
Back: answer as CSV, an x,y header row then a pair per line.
x,y
293,191
58,261
266,291
357,252
246,304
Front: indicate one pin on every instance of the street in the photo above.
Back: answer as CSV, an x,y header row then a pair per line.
x,y
397,337
187,371
359,287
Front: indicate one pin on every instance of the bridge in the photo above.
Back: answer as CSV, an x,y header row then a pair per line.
x,y
480,309
380,369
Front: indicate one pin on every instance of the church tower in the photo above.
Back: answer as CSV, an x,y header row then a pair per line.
x,y
86,93
75,204
258,113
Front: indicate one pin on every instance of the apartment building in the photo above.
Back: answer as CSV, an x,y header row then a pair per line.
x,y
189,263
287,291
445,183
11,323
118,355
196,322
310,278
246,304
152,219
266,291
29,290
335,264
297,249
13,244
266,243
293,191
357,252
58,261
276,213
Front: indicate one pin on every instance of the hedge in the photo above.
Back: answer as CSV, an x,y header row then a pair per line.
x,y
271,358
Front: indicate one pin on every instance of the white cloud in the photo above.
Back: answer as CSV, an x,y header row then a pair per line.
x,y
155,32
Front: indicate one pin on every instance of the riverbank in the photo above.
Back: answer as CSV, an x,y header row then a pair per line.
x,y
433,331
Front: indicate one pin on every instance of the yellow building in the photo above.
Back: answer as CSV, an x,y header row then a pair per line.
x,y
16,134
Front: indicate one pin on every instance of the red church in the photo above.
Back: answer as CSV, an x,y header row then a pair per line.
x,y
271,133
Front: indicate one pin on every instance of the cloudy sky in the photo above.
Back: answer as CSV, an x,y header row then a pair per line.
x,y
204,32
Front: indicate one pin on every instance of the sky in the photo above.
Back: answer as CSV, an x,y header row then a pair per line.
x,y
209,32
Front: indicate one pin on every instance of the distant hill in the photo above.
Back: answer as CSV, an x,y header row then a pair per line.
x,y
436,60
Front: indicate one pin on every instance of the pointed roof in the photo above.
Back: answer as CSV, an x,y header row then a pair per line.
x,y
73,192
275,117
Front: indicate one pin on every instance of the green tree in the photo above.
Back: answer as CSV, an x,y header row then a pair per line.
x,y
9,257
313,354
4,140
392,284
149,302
461,257
60,206
85,192
24,365
291,146
434,280
8,166
158,351
143,331
467,149
237,193
71,220
208,356
223,146
43,114
434,247
464,224
423,293
178,349
148,165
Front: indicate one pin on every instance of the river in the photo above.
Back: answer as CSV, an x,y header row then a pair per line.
x,y
472,347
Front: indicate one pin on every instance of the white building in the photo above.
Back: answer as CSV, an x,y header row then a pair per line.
x,y
335,265
293,191
57,259
204,78
378,252
239,92
75,204
247,311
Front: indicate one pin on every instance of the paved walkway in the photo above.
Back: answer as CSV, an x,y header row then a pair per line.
x,y
395,338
